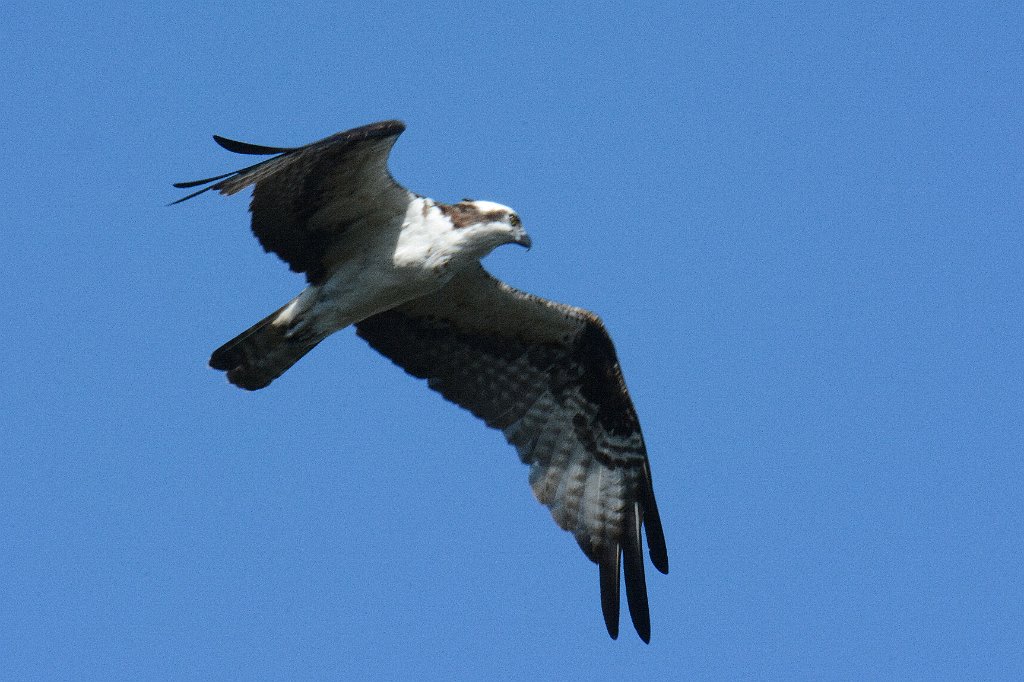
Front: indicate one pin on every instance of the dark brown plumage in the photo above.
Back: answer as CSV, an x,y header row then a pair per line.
x,y
307,196
546,375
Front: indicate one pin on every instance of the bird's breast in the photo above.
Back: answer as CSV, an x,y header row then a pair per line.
x,y
424,240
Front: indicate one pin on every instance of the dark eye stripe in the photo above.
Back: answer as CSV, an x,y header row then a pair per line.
x,y
463,215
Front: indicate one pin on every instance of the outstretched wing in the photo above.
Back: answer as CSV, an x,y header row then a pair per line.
x,y
546,374
307,197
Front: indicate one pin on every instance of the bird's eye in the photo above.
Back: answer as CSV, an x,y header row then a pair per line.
x,y
514,220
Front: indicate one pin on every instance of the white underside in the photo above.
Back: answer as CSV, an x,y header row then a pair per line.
x,y
389,265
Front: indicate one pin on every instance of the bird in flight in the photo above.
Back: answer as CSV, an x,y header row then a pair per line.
x,y
405,270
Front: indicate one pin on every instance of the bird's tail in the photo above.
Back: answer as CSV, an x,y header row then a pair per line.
x,y
265,351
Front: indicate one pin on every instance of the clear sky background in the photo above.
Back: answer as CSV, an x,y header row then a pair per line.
x,y
800,221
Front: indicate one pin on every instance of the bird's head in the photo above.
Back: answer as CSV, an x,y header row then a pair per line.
x,y
484,225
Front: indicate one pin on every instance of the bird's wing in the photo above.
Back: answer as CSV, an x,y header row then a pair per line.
x,y
307,197
546,374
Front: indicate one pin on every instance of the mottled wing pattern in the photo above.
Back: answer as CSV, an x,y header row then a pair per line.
x,y
307,197
546,374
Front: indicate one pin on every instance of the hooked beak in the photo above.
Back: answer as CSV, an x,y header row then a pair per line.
x,y
523,239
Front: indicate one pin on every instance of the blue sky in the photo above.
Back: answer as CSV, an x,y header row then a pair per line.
x,y
801,223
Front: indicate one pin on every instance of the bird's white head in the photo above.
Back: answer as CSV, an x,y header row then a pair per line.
x,y
482,226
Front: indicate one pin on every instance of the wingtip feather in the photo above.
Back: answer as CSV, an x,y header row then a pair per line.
x,y
652,526
189,196
609,576
656,543
249,148
636,582
204,181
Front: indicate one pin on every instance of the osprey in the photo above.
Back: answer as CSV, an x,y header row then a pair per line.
x,y
405,270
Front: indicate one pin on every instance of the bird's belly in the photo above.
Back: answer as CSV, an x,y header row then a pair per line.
x,y
353,294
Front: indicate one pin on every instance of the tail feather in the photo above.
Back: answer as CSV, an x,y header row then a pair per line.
x,y
261,353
